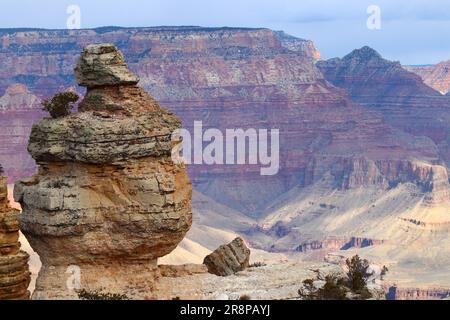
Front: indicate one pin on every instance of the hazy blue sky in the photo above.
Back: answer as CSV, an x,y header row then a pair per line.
x,y
412,31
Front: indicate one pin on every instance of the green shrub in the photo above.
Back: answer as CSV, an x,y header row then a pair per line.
x,y
333,289
357,273
61,104
257,265
352,285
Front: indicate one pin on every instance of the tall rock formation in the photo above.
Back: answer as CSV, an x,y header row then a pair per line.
x,y
14,273
108,200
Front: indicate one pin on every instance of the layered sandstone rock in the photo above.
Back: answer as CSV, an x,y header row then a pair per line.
x,y
19,109
405,102
228,259
436,76
103,65
199,73
14,272
108,200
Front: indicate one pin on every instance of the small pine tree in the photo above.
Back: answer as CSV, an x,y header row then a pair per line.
x,y
357,273
384,270
333,289
352,285
61,104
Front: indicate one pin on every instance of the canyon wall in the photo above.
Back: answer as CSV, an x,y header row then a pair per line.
x,y
227,78
405,102
436,76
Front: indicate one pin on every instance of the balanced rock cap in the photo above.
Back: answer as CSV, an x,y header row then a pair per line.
x,y
103,65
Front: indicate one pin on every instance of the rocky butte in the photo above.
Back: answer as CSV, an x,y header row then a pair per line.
x,y
107,200
14,273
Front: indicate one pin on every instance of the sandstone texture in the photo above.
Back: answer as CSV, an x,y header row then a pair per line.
x,y
228,259
107,201
14,272
103,65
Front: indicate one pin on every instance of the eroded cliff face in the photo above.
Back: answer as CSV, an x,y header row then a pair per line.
x,y
14,272
405,102
19,109
234,78
197,72
436,76
108,199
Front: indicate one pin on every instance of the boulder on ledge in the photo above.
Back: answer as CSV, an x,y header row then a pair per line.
x,y
103,65
228,259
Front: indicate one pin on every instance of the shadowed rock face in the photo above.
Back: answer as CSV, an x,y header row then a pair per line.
x,y
14,273
107,199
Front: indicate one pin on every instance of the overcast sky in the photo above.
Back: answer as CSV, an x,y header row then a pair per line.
x,y
412,31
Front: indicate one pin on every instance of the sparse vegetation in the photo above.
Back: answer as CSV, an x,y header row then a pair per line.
x,y
245,297
99,295
384,270
257,264
58,184
352,285
357,273
61,104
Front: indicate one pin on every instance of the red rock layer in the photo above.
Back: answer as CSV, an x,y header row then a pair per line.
x,y
236,78
436,76
401,96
